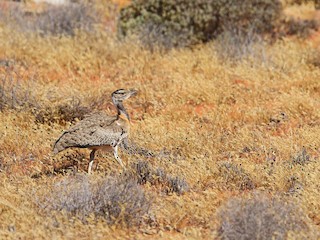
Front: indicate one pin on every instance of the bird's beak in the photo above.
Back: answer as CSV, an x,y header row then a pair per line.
x,y
133,92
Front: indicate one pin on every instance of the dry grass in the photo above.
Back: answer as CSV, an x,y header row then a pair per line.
x,y
220,127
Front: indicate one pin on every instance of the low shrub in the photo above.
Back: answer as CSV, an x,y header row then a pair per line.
x,y
301,158
132,148
53,20
295,186
176,184
234,177
298,27
117,200
261,217
143,172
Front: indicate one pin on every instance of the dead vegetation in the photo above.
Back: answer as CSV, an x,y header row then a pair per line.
x,y
211,125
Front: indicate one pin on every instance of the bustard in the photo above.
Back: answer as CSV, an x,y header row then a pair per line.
x,y
99,131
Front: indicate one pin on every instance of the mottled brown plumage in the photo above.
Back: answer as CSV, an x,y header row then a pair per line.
x,y
99,131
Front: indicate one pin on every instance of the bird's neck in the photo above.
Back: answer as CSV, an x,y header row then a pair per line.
x,y
122,113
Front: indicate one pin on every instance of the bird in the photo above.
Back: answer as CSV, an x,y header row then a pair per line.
x,y
100,131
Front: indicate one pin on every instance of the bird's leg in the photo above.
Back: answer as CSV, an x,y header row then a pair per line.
x,y
91,160
115,153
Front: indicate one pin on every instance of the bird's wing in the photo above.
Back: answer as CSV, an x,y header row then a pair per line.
x,y
95,130
97,119
112,135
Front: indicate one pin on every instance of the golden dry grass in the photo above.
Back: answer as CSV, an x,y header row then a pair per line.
x,y
204,112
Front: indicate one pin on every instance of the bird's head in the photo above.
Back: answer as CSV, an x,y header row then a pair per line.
x,y
122,94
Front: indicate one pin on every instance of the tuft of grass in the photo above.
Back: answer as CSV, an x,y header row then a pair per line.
x,y
176,184
314,59
145,174
14,94
235,44
235,177
117,200
301,158
260,217
132,148
295,186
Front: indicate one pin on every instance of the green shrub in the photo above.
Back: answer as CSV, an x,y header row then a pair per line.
x,y
169,23
260,15
185,22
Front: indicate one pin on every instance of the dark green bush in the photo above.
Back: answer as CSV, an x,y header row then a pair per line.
x,y
169,23
182,23
260,15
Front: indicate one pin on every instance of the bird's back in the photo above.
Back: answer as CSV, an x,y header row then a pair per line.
x,y
95,130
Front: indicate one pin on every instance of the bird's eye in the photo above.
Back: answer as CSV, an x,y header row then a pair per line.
x,y
121,91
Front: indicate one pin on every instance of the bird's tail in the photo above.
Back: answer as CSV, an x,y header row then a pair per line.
x,y
59,146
